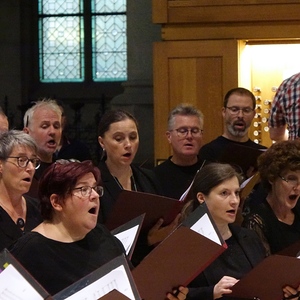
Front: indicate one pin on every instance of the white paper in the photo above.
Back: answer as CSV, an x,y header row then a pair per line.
x,y
13,286
205,227
115,280
127,237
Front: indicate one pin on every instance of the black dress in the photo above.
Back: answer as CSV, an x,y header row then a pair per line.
x,y
56,265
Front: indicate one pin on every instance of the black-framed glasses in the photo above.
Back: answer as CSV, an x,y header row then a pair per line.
x,y
182,132
87,190
23,161
234,110
291,180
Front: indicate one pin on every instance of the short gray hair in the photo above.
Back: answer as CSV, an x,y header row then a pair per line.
x,y
10,139
184,110
44,103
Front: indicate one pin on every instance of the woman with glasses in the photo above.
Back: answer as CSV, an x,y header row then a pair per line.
x,y
69,243
277,218
18,162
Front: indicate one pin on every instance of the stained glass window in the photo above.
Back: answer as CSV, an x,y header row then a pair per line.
x,y
63,40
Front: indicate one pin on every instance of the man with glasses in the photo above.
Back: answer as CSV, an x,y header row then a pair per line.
x,y
185,130
238,112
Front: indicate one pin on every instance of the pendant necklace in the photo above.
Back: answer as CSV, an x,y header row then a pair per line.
x,y
133,183
20,221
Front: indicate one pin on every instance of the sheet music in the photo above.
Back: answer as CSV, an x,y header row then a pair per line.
x,y
182,198
205,227
127,237
13,286
116,279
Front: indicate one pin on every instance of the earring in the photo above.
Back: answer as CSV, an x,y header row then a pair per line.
x,y
103,154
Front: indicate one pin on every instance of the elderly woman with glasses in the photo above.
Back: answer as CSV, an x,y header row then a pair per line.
x,y
69,243
18,162
277,218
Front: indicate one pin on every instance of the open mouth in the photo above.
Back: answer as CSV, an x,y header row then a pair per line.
x,y
231,211
27,179
127,154
293,197
51,143
93,211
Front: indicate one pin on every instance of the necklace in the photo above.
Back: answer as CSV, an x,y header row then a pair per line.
x,y
20,221
133,183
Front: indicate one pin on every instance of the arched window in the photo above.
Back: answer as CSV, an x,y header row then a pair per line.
x,y
74,33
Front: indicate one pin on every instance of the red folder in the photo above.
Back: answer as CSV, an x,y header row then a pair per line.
x,y
131,204
177,260
266,280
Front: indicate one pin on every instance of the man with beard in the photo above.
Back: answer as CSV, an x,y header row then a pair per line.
x,y
238,112
43,123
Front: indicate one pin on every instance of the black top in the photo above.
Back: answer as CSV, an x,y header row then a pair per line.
x,y
144,181
175,179
275,234
212,151
9,231
244,252
56,265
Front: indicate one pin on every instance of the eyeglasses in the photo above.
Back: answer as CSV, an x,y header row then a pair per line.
x,y
182,132
87,190
23,161
292,180
234,110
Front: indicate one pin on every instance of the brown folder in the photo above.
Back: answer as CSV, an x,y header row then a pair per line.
x,y
266,280
292,250
177,260
114,295
241,157
130,205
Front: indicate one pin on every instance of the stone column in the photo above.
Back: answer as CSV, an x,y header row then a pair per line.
x,y
138,89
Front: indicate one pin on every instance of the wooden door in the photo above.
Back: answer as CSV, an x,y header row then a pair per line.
x,y
195,72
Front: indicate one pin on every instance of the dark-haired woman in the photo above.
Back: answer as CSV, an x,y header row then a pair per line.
x,y
218,185
119,139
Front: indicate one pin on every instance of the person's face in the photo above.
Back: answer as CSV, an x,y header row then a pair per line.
x,y
14,178
45,128
190,144
286,189
223,201
3,123
238,124
80,213
121,142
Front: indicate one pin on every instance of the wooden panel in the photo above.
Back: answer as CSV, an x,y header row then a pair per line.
x,y
159,11
256,30
233,14
197,72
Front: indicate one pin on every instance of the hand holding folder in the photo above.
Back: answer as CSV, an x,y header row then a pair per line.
x,y
178,259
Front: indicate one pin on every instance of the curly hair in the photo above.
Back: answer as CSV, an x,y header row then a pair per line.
x,y
280,157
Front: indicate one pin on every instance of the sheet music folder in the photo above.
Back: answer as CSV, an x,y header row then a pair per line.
x,y
178,259
131,204
115,274
126,227
266,280
7,260
239,155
